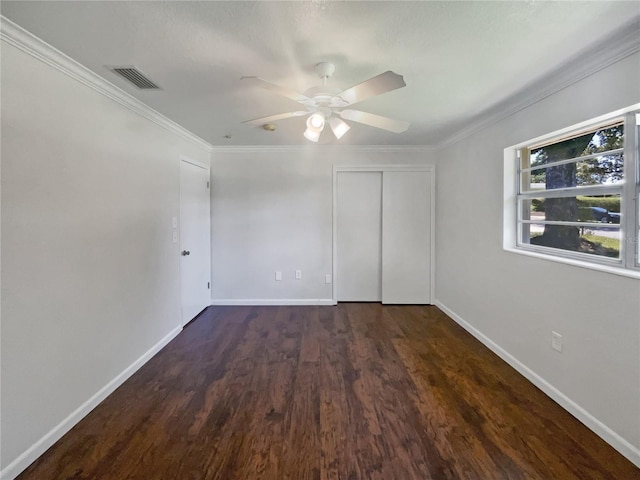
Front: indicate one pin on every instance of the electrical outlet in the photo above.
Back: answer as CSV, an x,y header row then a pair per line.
x,y
298,274
278,276
556,341
327,278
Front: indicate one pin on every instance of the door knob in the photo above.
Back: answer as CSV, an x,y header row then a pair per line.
x,y
185,253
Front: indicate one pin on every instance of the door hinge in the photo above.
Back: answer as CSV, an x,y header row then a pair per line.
x,y
207,185
208,285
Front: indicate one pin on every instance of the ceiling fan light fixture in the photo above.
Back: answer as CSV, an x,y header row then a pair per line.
x,y
312,135
338,127
316,121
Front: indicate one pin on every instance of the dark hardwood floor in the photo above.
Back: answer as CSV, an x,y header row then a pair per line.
x,y
357,391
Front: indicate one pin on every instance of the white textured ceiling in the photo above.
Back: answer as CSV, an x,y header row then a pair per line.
x,y
458,58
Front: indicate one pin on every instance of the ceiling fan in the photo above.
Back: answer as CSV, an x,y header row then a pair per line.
x,y
325,104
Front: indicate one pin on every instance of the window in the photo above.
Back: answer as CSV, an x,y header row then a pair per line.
x,y
577,193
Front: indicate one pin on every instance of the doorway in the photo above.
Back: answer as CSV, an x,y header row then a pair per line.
x,y
195,239
383,234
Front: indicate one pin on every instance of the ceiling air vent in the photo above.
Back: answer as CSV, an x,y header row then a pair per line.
x,y
135,77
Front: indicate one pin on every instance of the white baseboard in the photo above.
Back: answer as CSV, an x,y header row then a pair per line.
x,y
273,301
603,431
12,470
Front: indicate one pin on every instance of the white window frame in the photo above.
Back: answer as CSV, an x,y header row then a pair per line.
x,y
629,262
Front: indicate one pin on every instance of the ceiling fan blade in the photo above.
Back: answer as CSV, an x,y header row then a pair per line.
x,y
285,92
385,123
383,83
273,118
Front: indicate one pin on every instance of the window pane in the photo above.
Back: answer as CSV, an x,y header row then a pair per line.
x,y
570,188
598,140
605,170
604,209
600,241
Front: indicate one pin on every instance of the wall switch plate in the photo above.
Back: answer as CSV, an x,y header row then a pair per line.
x,y
556,341
174,222
327,278
298,274
175,236
278,276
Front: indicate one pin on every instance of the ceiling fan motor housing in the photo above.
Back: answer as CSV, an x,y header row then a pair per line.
x,y
325,69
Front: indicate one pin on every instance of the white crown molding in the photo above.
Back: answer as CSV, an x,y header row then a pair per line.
x,y
614,48
27,42
322,148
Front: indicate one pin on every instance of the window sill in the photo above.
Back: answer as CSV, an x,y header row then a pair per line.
x,y
576,263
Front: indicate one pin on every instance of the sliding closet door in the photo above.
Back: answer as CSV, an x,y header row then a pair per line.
x,y
406,237
359,248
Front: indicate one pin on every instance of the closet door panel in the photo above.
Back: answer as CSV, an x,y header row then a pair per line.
x,y
359,248
406,237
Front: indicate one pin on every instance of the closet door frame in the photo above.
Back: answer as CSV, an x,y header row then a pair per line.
x,y
384,168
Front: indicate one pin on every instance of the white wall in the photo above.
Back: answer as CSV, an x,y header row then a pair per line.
x,y
272,211
516,301
90,276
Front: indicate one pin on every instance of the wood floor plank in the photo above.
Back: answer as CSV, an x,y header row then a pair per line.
x,y
355,391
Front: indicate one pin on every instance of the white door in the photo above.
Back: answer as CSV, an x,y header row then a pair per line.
x,y
406,237
359,221
195,240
